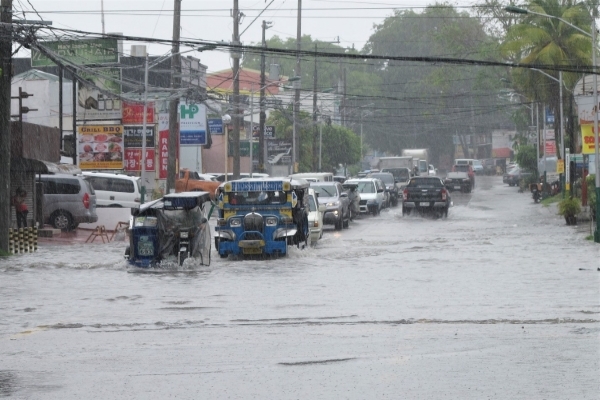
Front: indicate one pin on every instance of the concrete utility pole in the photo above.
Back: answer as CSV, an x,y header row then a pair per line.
x,y
235,134
296,139
315,82
5,72
263,115
175,84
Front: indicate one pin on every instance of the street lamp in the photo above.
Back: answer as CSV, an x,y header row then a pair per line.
x,y
517,10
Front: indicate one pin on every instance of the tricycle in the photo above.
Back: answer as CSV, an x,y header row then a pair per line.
x,y
173,228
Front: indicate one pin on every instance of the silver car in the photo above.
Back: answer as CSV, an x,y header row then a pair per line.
x,y
68,201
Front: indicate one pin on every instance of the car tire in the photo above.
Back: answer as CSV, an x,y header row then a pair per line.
x,y
338,225
405,211
346,223
62,220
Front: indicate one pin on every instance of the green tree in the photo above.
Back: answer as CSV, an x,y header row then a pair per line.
x,y
549,41
526,157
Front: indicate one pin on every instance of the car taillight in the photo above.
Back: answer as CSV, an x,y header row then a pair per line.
x,y
444,193
405,194
86,200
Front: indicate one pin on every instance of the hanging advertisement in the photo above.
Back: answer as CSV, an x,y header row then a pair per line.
x,y
279,152
133,113
192,124
163,145
100,146
92,104
133,160
80,52
133,136
588,139
215,126
550,148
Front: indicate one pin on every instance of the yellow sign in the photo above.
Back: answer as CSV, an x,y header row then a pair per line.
x,y
587,139
100,146
560,166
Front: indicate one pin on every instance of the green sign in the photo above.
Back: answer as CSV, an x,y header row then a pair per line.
x,y
80,52
244,149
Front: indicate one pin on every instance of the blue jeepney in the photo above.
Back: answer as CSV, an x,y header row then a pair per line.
x,y
261,217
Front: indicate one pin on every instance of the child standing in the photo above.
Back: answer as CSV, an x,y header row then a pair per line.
x,y
18,201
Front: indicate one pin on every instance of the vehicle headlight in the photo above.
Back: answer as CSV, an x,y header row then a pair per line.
x,y
184,234
286,220
333,204
233,222
271,221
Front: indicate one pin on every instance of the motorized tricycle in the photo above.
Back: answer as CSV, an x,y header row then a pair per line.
x,y
262,216
172,228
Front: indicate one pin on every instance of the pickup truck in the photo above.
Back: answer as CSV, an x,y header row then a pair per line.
x,y
460,178
190,181
425,194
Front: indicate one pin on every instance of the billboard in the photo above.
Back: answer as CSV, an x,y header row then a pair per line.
x,y
133,135
93,102
192,124
100,146
133,160
585,111
80,52
133,113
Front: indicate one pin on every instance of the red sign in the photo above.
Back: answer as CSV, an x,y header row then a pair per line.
x,y
163,154
133,113
550,148
133,159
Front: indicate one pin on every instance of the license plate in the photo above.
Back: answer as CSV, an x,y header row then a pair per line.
x,y
424,204
250,250
457,187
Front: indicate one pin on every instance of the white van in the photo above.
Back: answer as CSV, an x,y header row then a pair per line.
x,y
115,190
314,176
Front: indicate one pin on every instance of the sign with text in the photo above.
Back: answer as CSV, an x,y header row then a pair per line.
x,y
163,145
133,113
192,124
550,148
269,131
588,139
133,160
133,134
215,126
100,146
80,52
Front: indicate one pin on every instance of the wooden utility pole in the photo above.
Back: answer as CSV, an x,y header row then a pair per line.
x,y
235,134
175,84
5,76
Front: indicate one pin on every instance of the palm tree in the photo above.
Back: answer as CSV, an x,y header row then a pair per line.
x,y
548,41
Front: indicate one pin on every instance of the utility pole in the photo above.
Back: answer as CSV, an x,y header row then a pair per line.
x,y
296,140
5,76
263,115
235,134
174,103
315,81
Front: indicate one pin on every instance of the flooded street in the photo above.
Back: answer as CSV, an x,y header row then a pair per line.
x,y
499,301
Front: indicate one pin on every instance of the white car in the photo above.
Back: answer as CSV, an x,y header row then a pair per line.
x,y
432,170
115,190
371,194
315,216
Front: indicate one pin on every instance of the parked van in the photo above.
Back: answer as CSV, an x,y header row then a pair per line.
x,y
68,201
314,176
115,190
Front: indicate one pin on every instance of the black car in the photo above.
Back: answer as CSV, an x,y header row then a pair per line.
x,y
390,185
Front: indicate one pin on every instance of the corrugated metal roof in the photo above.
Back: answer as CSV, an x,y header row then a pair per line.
x,y
37,75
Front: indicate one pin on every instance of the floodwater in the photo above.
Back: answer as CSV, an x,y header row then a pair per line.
x,y
499,301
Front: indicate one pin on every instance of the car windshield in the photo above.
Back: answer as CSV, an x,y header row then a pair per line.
x,y
326,191
425,183
257,198
461,168
366,187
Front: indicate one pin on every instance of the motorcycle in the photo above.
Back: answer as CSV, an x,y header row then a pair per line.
x,y
536,191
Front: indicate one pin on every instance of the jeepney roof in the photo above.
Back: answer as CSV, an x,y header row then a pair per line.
x,y
160,203
258,184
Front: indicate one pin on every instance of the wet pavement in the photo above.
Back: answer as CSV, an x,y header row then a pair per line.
x,y
500,300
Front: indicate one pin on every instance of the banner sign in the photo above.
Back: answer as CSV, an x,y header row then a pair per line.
x,y
588,139
100,146
550,135
251,186
549,115
133,160
80,52
133,113
192,124
215,126
279,152
94,105
550,148
163,145
133,134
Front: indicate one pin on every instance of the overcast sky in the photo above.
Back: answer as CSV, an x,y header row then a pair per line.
x,y
351,21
